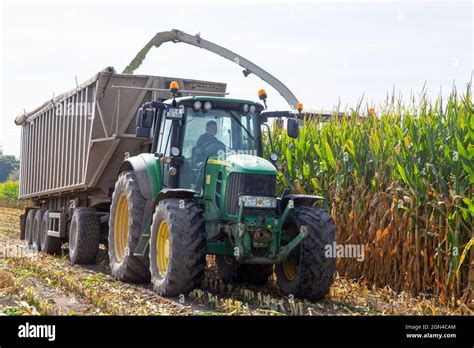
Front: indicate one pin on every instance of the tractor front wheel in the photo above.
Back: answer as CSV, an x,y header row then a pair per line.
x,y
307,272
177,247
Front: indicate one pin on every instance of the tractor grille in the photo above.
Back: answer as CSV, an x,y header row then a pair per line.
x,y
247,184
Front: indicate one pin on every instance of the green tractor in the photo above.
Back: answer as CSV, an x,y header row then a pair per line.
x,y
204,188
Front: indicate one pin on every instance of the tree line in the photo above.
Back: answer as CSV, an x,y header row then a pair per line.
x,y
9,167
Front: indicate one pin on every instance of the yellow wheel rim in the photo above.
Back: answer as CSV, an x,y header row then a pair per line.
x,y
163,248
121,227
290,270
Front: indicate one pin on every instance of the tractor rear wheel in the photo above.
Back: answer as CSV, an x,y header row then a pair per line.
x,y
30,218
125,228
177,247
84,236
307,272
49,245
231,272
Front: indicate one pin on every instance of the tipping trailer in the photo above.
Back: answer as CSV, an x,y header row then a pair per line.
x,y
72,146
166,171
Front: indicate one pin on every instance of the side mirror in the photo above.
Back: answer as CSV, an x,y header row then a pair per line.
x,y
293,128
144,122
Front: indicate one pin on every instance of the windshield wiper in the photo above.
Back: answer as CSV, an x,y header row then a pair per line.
x,y
241,125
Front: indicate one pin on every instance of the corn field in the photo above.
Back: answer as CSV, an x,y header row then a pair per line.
x,y
400,183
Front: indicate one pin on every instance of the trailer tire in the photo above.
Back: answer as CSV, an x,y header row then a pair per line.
x,y
311,274
125,225
49,245
177,247
22,226
36,232
84,235
231,272
30,218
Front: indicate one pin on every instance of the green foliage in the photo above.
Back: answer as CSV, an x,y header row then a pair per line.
x,y
14,175
8,164
9,193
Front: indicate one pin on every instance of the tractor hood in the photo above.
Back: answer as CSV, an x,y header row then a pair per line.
x,y
246,164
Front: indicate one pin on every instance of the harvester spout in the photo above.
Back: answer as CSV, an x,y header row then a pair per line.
x,y
176,36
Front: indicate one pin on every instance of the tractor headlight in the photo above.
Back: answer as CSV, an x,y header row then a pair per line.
x,y
258,202
252,109
207,106
174,151
245,108
197,105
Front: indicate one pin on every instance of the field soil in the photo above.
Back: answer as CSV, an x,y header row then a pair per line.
x,y
36,284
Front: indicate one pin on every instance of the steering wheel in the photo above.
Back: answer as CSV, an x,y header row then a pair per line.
x,y
213,147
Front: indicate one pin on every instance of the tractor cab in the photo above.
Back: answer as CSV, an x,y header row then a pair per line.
x,y
190,132
202,129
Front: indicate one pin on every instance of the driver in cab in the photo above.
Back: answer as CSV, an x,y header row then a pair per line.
x,y
209,136
207,144
199,155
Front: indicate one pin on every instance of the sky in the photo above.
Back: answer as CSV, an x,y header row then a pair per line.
x,y
328,53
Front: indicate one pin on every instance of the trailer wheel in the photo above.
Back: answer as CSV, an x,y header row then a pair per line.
x,y
177,247
49,245
231,272
22,226
36,232
84,235
307,272
125,228
30,218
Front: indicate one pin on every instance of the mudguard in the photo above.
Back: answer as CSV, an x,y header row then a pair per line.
x,y
175,193
299,200
147,170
